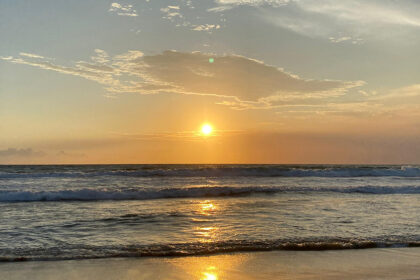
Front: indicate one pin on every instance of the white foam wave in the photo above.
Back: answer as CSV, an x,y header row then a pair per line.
x,y
145,194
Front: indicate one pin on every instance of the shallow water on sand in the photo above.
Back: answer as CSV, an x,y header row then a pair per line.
x,y
384,264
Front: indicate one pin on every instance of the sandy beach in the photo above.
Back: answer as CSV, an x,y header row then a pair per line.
x,y
395,263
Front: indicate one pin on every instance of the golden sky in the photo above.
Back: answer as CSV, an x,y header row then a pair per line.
x,y
279,81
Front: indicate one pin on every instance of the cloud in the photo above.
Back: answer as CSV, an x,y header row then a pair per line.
x,y
174,15
241,82
403,12
405,98
206,27
345,39
101,56
253,2
171,12
241,78
28,152
30,55
365,12
408,91
367,19
220,9
123,10
85,70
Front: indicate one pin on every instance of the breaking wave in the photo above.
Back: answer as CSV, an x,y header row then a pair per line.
x,y
192,192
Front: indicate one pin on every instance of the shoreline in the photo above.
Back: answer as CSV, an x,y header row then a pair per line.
x,y
378,263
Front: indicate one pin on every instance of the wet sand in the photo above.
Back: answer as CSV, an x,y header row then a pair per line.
x,y
395,263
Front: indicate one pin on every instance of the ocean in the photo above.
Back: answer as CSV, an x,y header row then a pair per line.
x,y
66,212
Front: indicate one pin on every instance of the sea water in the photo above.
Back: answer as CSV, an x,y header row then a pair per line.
x,y
59,212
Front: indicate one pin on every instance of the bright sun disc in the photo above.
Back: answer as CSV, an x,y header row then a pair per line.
x,y
206,129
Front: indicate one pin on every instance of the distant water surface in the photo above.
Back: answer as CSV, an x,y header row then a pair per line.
x,y
100,211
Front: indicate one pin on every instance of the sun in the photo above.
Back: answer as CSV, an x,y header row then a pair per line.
x,y
206,129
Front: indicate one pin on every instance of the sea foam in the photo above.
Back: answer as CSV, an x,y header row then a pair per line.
x,y
190,192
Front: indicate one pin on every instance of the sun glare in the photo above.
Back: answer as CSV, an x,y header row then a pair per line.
x,y
209,276
206,129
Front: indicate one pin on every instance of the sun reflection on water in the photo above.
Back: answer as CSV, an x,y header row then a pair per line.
x,y
209,231
210,274
206,233
216,267
207,207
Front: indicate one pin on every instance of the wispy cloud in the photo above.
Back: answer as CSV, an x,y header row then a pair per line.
x,y
253,2
367,19
173,7
219,9
171,12
175,15
403,12
206,27
123,10
399,94
31,55
365,12
341,39
240,78
93,72
241,82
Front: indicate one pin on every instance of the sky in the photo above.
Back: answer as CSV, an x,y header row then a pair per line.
x,y
280,81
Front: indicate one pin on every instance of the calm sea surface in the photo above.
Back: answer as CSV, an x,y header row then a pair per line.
x,y
77,212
